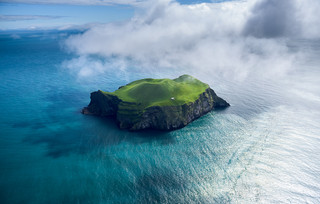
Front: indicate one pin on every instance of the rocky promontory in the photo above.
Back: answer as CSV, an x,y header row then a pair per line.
x,y
161,104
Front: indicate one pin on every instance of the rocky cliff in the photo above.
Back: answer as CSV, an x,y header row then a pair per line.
x,y
136,116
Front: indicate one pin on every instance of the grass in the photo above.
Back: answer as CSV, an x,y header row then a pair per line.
x,y
158,92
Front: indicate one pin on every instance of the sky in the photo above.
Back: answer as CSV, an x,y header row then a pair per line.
x,y
47,14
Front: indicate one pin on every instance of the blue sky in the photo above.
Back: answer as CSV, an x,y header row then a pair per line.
x,y
15,15
38,14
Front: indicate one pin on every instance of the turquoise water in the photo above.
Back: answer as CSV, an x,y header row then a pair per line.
x,y
265,148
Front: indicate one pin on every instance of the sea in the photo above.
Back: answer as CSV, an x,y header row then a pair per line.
x,y
264,148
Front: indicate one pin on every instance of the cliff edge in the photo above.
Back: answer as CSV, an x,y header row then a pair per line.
x,y
161,104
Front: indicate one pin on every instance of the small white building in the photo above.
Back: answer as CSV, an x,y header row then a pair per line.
x,y
172,98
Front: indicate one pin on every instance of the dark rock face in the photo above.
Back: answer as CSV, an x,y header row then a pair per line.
x,y
101,104
154,117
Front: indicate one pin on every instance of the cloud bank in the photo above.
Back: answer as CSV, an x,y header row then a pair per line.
x,y
285,18
235,39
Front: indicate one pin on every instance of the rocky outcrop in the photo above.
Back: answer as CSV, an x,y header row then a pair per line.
x,y
102,104
134,116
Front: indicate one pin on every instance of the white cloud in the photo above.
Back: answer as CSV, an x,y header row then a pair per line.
x,y
26,17
285,18
308,16
85,66
236,39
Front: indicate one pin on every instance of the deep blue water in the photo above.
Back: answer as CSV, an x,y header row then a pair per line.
x,y
265,148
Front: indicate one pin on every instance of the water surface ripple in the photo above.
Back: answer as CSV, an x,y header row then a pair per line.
x,y
263,149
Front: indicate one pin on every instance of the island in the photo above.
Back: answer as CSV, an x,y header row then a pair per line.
x,y
161,104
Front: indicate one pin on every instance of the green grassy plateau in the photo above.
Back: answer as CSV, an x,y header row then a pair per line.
x,y
159,92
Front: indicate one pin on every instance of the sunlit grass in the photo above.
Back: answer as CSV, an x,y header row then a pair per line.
x,y
161,92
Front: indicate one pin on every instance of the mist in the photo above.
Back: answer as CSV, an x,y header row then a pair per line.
x,y
237,41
